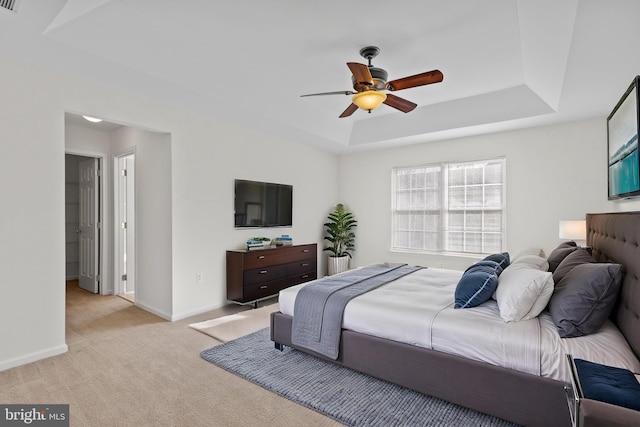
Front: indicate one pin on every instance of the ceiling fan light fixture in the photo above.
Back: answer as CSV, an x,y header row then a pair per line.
x,y
92,119
369,99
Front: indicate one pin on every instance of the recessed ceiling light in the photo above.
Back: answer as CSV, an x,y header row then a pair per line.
x,y
92,119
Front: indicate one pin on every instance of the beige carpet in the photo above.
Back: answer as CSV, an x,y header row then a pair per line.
x,y
128,368
230,327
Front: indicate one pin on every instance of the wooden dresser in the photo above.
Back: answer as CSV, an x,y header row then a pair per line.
x,y
260,273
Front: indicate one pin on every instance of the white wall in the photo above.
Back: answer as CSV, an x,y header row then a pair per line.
x,y
153,229
206,155
553,173
31,218
153,181
203,175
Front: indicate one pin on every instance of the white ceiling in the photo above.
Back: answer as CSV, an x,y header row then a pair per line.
x,y
507,63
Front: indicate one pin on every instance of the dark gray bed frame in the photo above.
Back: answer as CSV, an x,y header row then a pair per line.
x,y
512,395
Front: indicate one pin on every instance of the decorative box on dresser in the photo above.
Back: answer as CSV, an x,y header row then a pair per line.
x,y
256,274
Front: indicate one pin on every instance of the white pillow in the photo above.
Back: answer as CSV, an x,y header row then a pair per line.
x,y
523,292
530,251
534,261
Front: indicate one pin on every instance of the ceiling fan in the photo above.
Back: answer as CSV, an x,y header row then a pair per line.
x,y
370,81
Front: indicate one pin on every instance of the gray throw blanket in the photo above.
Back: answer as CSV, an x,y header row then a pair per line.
x,y
319,306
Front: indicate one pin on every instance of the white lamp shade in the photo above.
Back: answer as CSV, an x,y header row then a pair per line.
x,y
573,230
369,99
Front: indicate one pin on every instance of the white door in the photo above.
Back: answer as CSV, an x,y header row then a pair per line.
x,y
89,225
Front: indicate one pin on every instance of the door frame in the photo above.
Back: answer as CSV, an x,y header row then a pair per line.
x,y
106,284
118,286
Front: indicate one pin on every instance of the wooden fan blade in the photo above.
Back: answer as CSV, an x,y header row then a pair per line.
x,y
399,103
339,92
349,111
360,73
422,79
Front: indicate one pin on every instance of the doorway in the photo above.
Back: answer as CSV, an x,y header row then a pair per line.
x,y
125,237
83,220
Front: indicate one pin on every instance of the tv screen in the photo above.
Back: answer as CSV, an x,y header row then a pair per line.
x,y
263,204
622,141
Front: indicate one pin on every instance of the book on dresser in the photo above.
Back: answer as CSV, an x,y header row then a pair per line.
x,y
258,274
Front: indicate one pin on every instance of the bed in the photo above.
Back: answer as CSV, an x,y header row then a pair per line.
x,y
522,394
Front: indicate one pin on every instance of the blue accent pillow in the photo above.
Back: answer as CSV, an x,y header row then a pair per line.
x,y
608,384
502,259
476,286
486,265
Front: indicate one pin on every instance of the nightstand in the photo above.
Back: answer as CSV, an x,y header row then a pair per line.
x,y
594,413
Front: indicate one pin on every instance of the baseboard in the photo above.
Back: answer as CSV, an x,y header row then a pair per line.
x,y
179,316
188,314
162,314
33,357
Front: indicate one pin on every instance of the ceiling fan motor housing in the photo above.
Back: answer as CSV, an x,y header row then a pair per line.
x,y
379,76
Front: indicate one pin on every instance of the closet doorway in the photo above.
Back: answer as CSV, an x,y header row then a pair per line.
x,y
82,220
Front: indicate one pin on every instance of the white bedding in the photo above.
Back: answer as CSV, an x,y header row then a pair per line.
x,y
418,309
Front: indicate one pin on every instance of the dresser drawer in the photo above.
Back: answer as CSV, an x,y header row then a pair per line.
x,y
300,267
302,252
264,257
264,289
301,278
265,274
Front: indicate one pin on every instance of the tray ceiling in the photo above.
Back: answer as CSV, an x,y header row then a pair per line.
x,y
507,64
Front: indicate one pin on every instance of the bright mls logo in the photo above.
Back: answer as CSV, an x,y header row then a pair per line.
x,y
34,415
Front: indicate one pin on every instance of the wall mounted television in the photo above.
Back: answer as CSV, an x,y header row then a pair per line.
x,y
262,204
622,144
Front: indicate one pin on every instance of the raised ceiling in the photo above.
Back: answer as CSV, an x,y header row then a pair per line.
x,y
507,64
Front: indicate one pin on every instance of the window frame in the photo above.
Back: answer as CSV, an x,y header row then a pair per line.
x,y
443,230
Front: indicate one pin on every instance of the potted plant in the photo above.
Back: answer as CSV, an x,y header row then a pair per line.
x,y
339,233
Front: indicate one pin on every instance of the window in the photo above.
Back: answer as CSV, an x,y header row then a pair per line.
x,y
449,207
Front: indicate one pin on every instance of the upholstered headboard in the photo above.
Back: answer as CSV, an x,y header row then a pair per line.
x,y
615,237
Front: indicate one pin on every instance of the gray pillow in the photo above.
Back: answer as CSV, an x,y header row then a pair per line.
x,y
575,258
584,298
559,253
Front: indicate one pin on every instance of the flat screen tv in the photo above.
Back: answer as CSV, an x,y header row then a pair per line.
x,y
622,142
262,204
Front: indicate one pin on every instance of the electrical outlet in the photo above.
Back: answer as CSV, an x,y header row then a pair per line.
x,y
199,278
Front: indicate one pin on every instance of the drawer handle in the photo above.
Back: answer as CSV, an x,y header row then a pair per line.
x,y
263,271
264,287
304,276
304,264
305,250
261,257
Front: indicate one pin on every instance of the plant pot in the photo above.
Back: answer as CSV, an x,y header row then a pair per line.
x,y
337,264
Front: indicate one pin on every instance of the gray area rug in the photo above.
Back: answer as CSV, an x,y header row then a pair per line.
x,y
345,395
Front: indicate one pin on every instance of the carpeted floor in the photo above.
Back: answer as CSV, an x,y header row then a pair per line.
x,y
343,394
229,327
127,367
